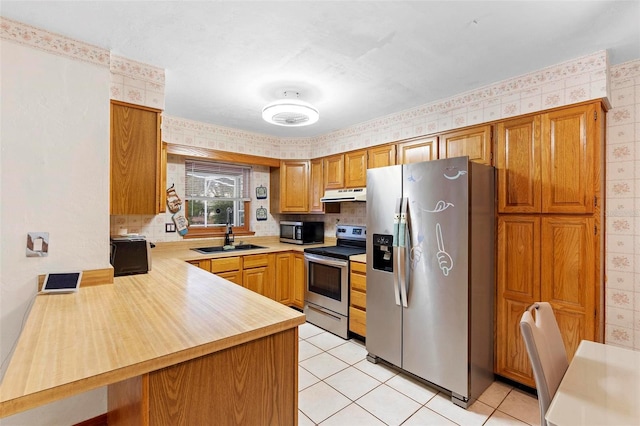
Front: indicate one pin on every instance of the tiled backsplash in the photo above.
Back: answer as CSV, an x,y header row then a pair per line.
x,y
623,208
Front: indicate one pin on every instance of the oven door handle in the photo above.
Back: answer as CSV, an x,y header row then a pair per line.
x,y
326,260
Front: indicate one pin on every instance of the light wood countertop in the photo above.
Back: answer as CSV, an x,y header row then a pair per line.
x,y
362,258
103,334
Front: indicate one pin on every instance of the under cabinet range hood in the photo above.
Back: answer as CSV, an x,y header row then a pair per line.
x,y
339,195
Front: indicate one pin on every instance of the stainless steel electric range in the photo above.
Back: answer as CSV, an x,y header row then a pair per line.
x,y
326,296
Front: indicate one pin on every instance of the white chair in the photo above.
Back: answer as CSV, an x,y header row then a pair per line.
x,y
546,352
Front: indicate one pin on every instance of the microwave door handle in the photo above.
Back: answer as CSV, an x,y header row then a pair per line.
x,y
326,261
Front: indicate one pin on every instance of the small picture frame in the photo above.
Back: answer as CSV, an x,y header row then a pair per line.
x,y
261,213
261,192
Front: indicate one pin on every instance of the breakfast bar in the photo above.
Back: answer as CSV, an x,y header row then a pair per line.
x,y
175,346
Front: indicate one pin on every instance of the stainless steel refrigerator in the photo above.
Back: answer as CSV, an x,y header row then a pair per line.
x,y
430,272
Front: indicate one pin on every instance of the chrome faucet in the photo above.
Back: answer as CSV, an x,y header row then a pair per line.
x,y
228,235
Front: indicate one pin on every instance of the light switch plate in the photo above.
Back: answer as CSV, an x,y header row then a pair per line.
x,y
37,244
170,227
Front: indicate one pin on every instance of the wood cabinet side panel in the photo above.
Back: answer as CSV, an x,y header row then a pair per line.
x,y
135,150
253,384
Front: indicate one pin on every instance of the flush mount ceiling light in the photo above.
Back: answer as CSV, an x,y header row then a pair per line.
x,y
290,112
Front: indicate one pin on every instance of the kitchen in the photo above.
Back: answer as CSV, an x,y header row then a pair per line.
x,y
87,183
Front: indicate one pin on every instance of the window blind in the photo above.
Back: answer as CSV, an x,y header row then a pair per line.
x,y
206,180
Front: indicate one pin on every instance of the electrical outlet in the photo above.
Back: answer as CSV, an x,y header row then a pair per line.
x,y
170,227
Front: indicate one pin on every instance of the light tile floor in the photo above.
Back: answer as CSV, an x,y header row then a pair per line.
x,y
338,386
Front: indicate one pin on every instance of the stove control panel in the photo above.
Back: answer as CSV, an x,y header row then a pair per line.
x,y
351,232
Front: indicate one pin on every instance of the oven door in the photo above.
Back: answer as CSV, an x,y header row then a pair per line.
x,y
327,283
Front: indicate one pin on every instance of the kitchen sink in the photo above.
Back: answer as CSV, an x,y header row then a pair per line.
x,y
215,249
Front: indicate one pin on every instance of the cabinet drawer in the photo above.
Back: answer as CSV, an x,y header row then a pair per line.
x,y
233,276
255,260
358,282
358,321
359,267
359,299
225,264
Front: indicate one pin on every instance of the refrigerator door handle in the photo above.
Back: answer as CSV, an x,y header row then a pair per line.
x,y
406,242
396,269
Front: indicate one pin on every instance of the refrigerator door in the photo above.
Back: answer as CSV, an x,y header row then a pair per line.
x,y
435,328
384,315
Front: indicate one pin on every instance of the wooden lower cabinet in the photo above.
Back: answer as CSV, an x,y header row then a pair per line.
x,y
298,281
283,277
202,264
229,268
253,383
358,300
544,258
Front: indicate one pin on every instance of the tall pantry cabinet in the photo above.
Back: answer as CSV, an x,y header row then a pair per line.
x,y
550,235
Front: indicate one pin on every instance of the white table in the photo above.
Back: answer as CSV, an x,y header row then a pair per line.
x,y
601,387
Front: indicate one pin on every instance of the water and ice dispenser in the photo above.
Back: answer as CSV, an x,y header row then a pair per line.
x,y
383,252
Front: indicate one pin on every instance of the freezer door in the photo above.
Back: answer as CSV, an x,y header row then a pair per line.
x,y
435,329
384,315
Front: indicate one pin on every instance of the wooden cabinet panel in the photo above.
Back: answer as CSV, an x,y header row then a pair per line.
x,y
136,160
519,162
358,299
316,186
255,279
226,264
381,156
233,276
512,360
202,264
568,160
283,277
299,280
474,142
358,321
568,276
294,186
255,260
355,169
415,151
334,172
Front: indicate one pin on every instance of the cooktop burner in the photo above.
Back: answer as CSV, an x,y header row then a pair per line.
x,y
352,240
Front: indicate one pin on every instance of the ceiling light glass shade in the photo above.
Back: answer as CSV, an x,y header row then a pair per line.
x,y
290,113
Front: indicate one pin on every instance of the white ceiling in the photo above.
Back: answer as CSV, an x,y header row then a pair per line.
x,y
354,60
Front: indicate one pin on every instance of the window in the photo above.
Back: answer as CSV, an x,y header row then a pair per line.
x,y
216,194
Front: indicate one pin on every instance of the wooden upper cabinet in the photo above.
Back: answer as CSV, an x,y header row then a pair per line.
x,y
316,186
416,151
518,162
136,160
381,156
334,172
474,142
355,169
294,186
569,137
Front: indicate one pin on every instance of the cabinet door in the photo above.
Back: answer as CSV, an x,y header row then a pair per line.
x,y
255,279
294,187
568,276
283,277
202,264
474,142
568,138
334,172
518,286
233,276
355,169
417,151
299,280
316,186
381,156
518,163
135,160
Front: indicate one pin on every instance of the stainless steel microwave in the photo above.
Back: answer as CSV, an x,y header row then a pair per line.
x,y
302,232
130,256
